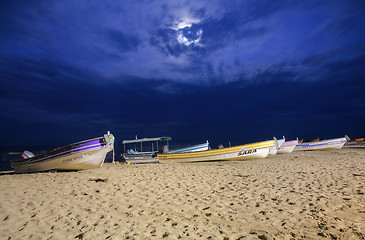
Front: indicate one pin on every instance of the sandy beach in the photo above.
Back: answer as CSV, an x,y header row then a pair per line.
x,y
301,195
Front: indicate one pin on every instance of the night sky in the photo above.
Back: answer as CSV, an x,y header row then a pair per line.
x,y
238,71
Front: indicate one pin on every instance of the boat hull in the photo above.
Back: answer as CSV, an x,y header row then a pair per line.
x,y
243,152
288,147
146,157
82,161
82,156
274,149
336,143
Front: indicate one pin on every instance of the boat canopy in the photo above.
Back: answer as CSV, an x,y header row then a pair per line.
x,y
142,140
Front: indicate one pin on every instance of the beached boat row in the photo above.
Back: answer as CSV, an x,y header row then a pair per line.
x,y
91,153
242,152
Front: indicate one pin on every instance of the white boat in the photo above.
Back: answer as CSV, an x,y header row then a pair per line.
x,y
140,156
336,143
83,155
274,149
242,152
288,146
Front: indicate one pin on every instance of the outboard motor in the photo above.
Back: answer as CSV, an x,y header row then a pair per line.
x,y
27,154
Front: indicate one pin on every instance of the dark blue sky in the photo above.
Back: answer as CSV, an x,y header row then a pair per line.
x,y
238,71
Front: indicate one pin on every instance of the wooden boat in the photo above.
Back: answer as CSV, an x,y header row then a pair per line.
x,y
242,152
139,156
336,143
288,146
78,156
274,149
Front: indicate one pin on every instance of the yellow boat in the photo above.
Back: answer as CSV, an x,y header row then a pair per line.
x,y
242,152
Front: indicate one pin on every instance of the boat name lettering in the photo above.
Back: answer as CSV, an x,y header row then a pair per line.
x,y
71,159
245,152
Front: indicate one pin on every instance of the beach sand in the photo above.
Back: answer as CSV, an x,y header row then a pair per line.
x,y
301,195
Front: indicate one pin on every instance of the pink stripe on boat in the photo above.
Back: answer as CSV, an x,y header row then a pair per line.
x,y
290,143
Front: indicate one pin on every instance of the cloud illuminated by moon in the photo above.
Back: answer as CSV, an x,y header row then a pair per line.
x,y
185,22
186,33
187,41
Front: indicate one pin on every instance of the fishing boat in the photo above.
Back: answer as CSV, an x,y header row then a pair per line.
x,y
288,146
274,149
140,156
83,155
149,155
242,152
336,143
